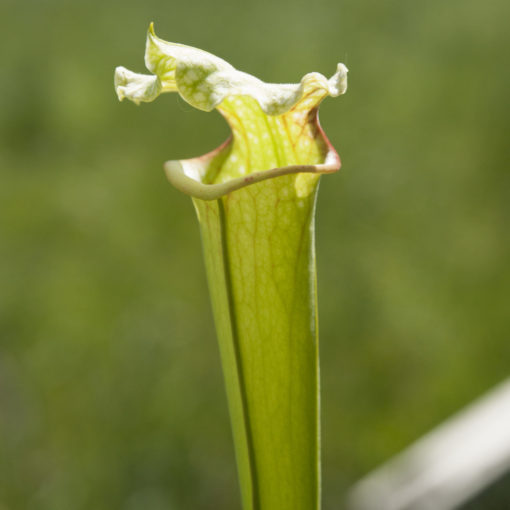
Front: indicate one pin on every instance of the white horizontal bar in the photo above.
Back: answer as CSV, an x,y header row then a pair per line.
x,y
446,467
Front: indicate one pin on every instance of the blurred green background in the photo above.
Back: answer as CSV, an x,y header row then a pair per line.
x,y
111,395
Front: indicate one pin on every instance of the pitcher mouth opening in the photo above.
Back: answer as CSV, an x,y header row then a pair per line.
x,y
188,175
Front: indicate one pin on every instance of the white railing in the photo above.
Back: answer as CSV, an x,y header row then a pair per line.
x,y
448,466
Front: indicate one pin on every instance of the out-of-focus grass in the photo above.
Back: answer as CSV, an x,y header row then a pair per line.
x,y
110,387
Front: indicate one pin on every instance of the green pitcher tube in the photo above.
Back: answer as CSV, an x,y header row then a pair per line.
x,y
255,201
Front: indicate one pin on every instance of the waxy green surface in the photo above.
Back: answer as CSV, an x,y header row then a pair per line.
x,y
255,200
